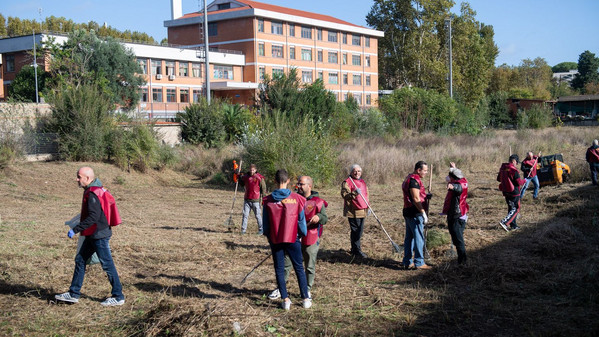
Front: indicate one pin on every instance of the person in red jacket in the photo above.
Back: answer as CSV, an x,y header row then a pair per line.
x,y
316,217
510,184
414,213
529,169
456,208
255,189
355,207
284,224
592,158
98,214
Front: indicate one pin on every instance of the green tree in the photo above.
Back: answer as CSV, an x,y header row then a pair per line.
x,y
202,123
23,86
564,67
86,59
587,70
2,26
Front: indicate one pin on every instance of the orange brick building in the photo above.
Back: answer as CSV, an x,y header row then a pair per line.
x,y
274,39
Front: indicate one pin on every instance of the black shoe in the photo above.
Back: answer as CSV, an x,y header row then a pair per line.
x,y
515,228
360,254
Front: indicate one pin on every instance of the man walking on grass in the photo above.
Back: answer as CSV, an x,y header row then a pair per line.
x,y
529,169
414,213
510,183
255,189
592,158
456,208
316,216
284,224
98,214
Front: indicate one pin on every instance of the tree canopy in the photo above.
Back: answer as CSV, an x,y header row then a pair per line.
x,y
588,65
563,67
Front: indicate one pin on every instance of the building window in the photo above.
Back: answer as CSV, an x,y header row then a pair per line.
x,y
212,29
307,76
196,95
333,57
144,94
10,63
333,78
357,80
344,58
358,98
320,76
157,95
292,53
356,60
143,63
345,79
261,25
184,95
276,28
171,95
170,67
368,99
224,6
332,36
277,72
367,44
225,72
156,67
291,30
355,40
196,70
367,80
319,53
319,34
261,49
277,51
183,69
306,54
344,97
344,38
261,72
307,32
367,60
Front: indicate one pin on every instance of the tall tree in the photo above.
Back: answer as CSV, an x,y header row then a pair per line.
x,y
2,26
23,86
587,70
564,67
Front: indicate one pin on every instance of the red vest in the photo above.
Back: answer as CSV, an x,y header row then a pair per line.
x,y
533,166
252,186
463,204
506,173
407,197
283,216
313,206
358,202
593,155
108,207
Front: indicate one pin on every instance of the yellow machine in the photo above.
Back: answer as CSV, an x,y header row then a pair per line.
x,y
552,170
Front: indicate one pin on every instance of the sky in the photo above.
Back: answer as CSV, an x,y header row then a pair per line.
x,y
556,30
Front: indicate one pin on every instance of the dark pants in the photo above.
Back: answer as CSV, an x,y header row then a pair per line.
x,y
513,208
294,251
456,230
102,248
594,167
356,226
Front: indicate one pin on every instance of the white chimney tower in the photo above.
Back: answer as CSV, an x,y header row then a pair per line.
x,y
176,9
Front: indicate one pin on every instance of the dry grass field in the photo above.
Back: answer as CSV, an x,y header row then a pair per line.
x,y
181,268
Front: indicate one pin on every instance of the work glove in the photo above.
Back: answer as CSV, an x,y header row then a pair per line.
x,y
358,191
424,218
369,212
71,234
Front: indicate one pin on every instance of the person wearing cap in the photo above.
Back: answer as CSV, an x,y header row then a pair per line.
x,y
593,160
529,168
510,184
456,208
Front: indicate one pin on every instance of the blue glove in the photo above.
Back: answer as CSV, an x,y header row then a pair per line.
x,y
71,234
358,191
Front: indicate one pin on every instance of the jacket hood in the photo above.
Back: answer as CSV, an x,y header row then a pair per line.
x,y
95,183
281,194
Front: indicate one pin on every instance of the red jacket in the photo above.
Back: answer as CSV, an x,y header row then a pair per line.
x,y
108,207
463,205
407,197
530,165
509,180
283,217
592,154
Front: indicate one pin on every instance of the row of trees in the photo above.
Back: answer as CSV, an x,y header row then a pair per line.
x,y
13,26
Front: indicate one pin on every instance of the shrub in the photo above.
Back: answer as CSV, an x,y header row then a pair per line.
x,y
235,120
202,123
536,117
370,123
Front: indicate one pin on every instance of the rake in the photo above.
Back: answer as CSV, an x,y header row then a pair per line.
x,y
229,223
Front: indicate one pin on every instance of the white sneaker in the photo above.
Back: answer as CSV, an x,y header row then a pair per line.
x,y
307,303
274,295
309,295
111,302
286,304
66,297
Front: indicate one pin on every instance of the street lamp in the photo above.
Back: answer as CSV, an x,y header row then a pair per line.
x,y
448,23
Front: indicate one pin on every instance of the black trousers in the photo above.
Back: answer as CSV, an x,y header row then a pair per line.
x,y
356,226
456,230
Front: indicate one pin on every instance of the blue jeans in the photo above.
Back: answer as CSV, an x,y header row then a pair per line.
x,y
102,248
254,206
294,251
594,167
414,241
535,182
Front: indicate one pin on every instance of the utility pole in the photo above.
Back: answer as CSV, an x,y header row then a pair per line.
x,y
206,51
448,22
37,95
